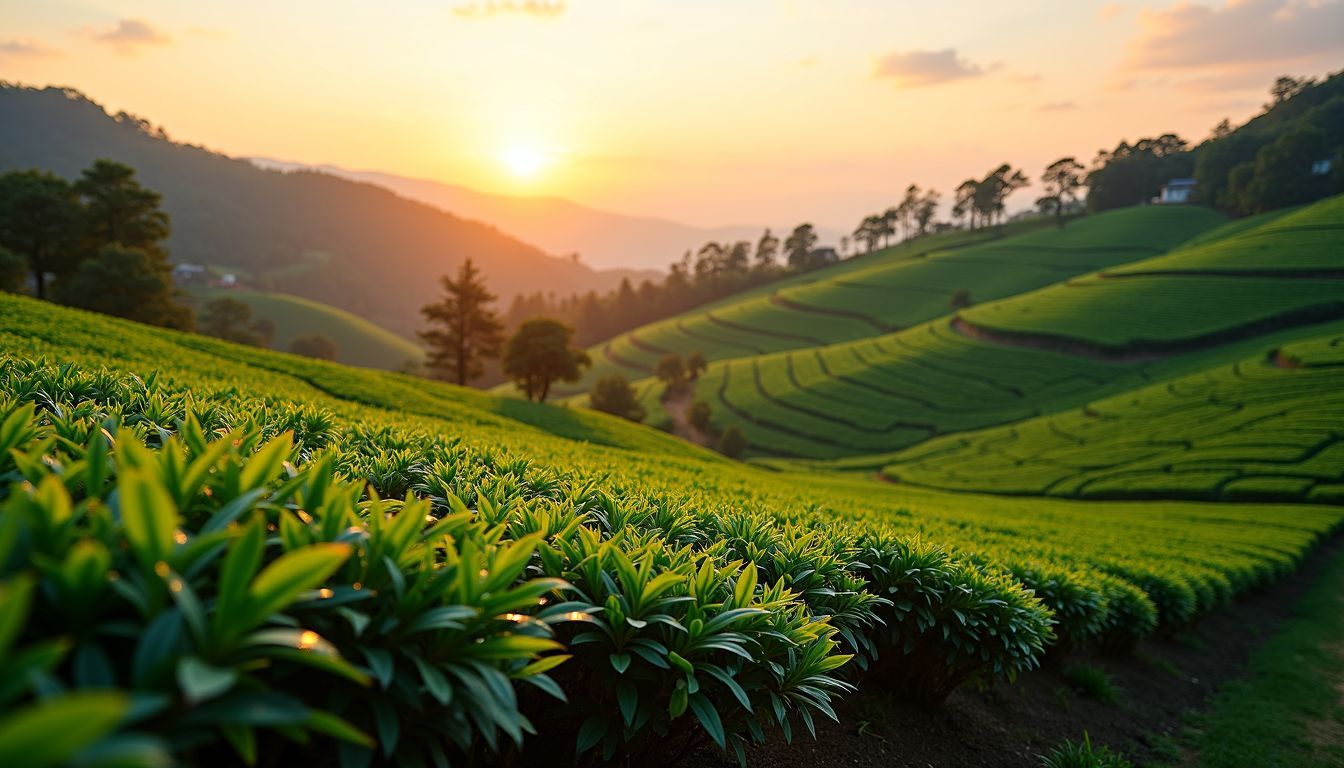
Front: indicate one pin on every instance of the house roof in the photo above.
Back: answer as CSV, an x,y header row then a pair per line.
x,y
1182,182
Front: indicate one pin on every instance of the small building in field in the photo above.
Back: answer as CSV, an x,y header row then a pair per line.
x,y
1322,167
186,274
824,256
1177,192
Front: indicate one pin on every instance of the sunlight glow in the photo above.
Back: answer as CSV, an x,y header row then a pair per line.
x,y
524,161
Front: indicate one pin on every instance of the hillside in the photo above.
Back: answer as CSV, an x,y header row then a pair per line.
x,y
604,240
358,342
901,287
648,533
355,246
1025,356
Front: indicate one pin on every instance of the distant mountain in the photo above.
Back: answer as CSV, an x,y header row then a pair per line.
x,y
602,239
356,246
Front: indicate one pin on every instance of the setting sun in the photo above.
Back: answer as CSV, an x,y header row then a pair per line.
x,y
524,161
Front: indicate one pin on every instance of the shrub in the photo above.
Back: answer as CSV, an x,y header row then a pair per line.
x,y
314,345
732,443
701,417
613,394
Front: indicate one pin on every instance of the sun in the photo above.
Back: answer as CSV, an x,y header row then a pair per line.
x,y
524,160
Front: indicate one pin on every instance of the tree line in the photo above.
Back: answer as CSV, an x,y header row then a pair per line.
x,y
97,243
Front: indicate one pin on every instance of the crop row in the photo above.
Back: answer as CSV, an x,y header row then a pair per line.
x,y
1267,427
854,302
694,599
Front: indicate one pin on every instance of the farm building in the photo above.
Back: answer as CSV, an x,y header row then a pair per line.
x,y
1177,192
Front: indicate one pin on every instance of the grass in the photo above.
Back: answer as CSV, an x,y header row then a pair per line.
x,y
1287,712
358,341
1092,681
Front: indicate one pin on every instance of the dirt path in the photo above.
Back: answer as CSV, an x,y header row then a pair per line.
x,y
678,408
1009,726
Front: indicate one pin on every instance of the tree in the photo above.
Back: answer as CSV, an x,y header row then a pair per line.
x,y
767,251
464,331
701,417
126,282
869,232
1281,174
925,209
961,298
539,354
613,394
40,220
963,206
798,247
230,319
671,371
13,271
732,443
696,365
118,210
314,345
1062,179
1286,87
1132,174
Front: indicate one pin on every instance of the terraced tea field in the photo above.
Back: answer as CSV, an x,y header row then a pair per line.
x,y
251,503
898,289
1269,427
1286,270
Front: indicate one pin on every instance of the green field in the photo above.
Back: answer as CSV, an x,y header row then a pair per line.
x,y
358,341
1288,268
899,287
698,595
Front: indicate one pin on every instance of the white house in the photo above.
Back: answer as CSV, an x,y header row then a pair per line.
x,y
1322,167
1177,192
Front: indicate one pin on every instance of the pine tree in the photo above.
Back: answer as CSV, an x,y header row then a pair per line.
x,y
464,330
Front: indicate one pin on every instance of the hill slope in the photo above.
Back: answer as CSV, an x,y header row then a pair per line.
x,y
900,287
695,553
358,342
604,240
355,246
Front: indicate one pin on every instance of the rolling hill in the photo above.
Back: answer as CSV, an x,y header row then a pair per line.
x,y
900,287
358,342
353,245
604,240
519,546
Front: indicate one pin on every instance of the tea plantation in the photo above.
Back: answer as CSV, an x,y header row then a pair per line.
x,y
900,287
216,554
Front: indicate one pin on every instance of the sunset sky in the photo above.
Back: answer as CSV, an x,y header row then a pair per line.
x,y
706,111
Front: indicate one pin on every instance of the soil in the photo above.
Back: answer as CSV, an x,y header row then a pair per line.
x,y
1164,681
677,406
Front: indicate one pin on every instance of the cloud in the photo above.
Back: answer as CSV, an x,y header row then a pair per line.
x,y
1110,11
25,49
1057,106
542,9
1239,32
913,69
130,35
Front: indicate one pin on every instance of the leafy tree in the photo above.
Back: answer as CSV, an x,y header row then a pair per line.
x,y
925,209
13,271
539,354
126,282
1132,174
463,331
1062,179
613,394
869,232
40,220
696,365
701,417
732,443
1286,87
118,210
314,345
798,247
230,319
961,299
1281,175
963,206
671,370
767,251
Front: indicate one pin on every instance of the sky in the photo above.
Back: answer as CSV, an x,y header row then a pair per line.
x,y
709,112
